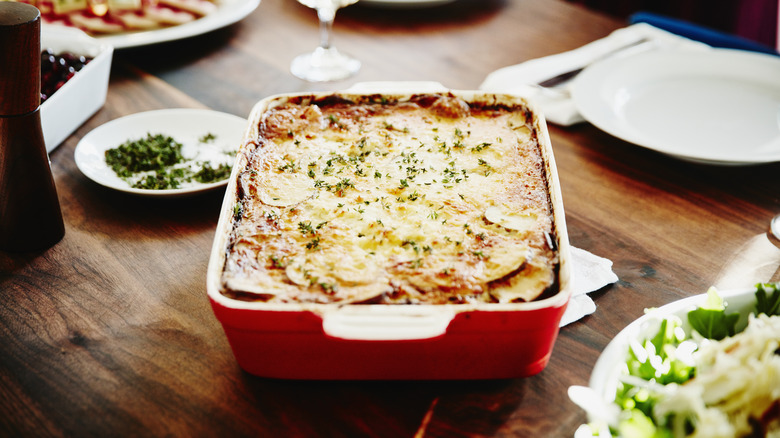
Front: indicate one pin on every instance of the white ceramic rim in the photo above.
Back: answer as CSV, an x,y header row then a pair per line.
x,y
604,90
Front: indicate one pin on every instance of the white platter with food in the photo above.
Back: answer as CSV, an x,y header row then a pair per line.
x,y
225,13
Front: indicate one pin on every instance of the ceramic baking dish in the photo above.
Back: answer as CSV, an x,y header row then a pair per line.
x,y
375,341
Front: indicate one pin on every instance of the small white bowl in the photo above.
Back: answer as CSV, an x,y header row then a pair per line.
x,y
84,93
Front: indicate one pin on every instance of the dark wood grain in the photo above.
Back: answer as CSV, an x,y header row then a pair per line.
x,y
110,333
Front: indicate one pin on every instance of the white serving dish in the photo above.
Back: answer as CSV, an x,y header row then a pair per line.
x,y
84,93
227,13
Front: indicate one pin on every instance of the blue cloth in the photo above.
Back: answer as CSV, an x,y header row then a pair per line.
x,y
703,34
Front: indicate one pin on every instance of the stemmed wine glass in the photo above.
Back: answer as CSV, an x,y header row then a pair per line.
x,y
326,63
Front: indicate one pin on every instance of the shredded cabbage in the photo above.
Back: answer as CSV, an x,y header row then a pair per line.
x,y
737,379
710,383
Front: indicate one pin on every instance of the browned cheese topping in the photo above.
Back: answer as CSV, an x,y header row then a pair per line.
x,y
425,200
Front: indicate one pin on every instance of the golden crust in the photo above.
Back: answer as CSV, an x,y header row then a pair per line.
x,y
427,200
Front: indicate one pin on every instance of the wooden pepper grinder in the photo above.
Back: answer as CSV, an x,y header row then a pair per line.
x,y
30,215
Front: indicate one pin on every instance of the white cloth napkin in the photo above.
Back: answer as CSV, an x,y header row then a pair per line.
x,y
557,105
589,273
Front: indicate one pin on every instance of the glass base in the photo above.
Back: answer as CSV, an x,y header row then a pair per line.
x,y
324,65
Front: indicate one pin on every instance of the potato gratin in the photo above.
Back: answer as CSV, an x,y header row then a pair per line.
x,y
427,199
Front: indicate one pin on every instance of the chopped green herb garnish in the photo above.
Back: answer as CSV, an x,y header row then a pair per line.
x,y
154,152
208,174
156,162
278,263
305,228
313,244
208,138
289,166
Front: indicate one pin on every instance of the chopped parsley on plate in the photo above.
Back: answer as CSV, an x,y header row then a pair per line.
x,y
156,162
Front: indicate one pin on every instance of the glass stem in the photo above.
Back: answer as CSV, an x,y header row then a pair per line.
x,y
326,16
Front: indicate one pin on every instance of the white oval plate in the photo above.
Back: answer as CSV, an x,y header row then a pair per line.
x,y
183,125
716,106
227,13
604,378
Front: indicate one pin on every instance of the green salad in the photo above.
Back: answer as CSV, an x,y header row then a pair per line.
x,y
716,381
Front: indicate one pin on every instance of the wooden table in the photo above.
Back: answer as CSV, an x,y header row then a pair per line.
x,y
110,333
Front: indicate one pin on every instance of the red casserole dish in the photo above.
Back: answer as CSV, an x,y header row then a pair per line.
x,y
381,341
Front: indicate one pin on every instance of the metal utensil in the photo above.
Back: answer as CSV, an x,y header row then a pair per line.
x,y
568,75
774,226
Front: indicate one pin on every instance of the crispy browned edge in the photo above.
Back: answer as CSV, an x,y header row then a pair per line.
x,y
484,100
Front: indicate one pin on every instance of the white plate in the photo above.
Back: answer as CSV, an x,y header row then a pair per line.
x,y
183,125
228,12
716,106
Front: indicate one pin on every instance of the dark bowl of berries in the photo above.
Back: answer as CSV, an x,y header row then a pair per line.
x,y
74,80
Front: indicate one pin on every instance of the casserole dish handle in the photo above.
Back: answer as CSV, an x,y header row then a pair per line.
x,y
386,324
